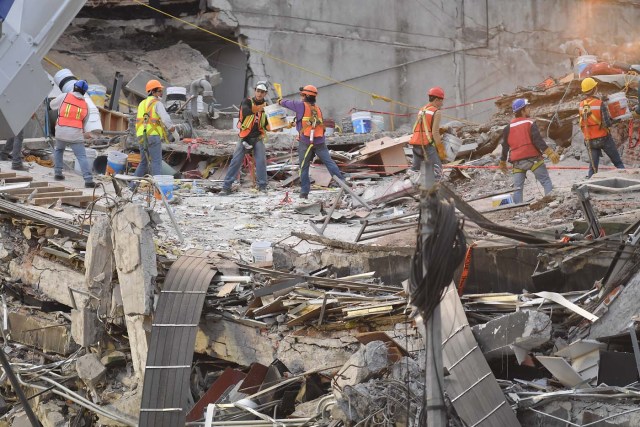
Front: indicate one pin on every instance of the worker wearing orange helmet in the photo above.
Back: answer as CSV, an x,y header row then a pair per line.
x,y
311,141
595,122
426,140
152,123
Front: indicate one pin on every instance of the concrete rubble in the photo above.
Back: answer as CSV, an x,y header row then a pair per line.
x,y
322,327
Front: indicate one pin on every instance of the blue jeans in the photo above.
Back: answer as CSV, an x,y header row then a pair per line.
x,y
610,150
154,151
306,153
13,147
81,157
433,160
541,173
260,156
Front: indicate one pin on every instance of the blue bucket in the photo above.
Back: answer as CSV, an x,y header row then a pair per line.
x,y
165,182
116,162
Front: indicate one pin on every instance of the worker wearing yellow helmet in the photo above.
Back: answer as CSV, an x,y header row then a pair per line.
x,y
152,123
595,122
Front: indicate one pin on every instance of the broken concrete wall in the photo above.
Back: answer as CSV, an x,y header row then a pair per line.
x,y
583,411
620,313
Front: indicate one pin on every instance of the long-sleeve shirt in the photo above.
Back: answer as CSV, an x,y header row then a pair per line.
x,y
164,116
66,133
536,138
298,108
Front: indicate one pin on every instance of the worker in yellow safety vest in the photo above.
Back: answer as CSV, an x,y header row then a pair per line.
x,y
595,122
152,123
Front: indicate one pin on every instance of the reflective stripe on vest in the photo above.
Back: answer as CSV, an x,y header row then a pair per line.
x,y
519,140
312,119
591,119
148,119
72,112
245,124
422,128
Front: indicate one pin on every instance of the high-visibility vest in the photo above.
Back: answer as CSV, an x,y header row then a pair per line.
x,y
312,120
591,119
245,124
72,112
519,140
148,119
422,128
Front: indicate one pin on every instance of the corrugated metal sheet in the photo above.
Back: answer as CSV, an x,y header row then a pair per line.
x,y
173,335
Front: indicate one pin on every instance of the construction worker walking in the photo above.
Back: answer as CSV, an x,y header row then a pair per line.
x,y
595,122
152,123
252,123
311,140
13,150
426,141
523,145
73,115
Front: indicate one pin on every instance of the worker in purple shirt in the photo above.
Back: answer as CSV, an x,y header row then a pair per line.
x,y
310,136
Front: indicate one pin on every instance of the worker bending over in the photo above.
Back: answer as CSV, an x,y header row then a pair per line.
x,y
524,146
426,140
595,122
152,123
252,123
73,115
311,141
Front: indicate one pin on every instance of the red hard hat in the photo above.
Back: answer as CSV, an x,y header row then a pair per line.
x,y
309,90
436,91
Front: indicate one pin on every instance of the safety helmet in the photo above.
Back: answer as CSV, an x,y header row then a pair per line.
x,y
81,85
588,84
518,104
153,84
436,91
261,86
309,90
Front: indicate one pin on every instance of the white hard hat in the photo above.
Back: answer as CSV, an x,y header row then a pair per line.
x,y
261,86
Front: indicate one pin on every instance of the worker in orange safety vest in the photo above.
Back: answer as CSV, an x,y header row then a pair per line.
x,y
426,141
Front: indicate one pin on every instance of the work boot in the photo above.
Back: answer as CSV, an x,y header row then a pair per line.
x,y
4,156
263,190
19,167
304,195
225,191
90,184
58,177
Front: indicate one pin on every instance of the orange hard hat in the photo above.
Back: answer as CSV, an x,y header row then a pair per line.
x,y
436,91
309,90
153,84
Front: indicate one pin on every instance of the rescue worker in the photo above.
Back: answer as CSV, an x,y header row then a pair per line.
x,y
524,146
13,150
73,115
252,123
595,122
152,123
311,140
426,141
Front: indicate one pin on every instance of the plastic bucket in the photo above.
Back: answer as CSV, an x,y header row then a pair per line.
x,y
361,122
91,157
165,182
65,80
377,123
582,62
503,199
618,106
261,251
116,161
97,94
276,116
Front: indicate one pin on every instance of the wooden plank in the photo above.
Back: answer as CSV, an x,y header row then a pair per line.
x,y
68,200
4,175
29,190
369,311
56,194
311,314
17,179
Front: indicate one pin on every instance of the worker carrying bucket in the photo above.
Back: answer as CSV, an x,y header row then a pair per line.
x,y
311,141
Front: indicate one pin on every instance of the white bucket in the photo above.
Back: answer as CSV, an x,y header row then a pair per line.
x,y
91,157
116,162
582,62
65,80
377,123
361,122
97,94
618,106
261,251
276,116
165,182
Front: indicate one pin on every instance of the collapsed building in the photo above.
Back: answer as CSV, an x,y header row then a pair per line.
x,y
123,309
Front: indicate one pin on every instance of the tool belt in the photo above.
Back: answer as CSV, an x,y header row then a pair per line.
x,y
524,165
597,143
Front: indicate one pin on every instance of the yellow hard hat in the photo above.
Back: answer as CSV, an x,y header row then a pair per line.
x,y
588,84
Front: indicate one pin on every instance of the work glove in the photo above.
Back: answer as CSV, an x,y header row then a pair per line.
x,y
441,151
552,155
503,166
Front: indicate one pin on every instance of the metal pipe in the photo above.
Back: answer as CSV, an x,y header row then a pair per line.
x,y
298,422
16,387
